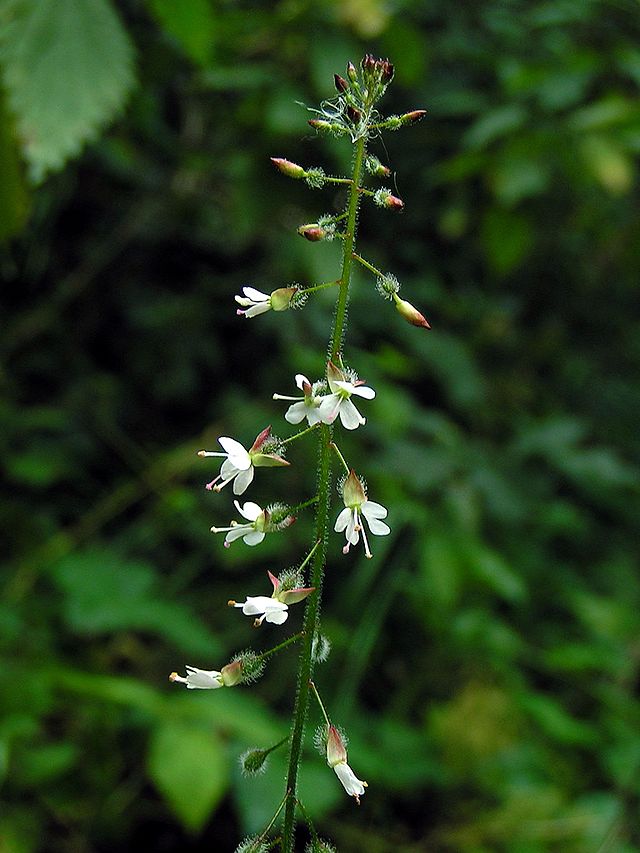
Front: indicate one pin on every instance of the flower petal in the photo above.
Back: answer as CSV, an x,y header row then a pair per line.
x,y
243,481
342,520
260,308
256,605
277,617
296,413
249,510
329,408
256,295
235,452
254,537
202,679
350,782
301,381
236,533
350,416
377,527
364,391
374,509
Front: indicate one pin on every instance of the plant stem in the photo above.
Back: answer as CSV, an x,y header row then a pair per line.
x,y
367,265
312,609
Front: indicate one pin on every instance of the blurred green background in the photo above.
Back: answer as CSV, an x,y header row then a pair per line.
x,y
486,661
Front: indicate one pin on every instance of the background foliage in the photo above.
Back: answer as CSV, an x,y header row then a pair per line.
x,y
486,661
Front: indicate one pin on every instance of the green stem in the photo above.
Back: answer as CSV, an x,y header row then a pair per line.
x,y
367,265
315,287
299,434
312,609
280,646
320,702
335,448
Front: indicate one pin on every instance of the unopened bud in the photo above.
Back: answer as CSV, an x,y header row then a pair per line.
x,y
410,313
341,83
323,126
387,70
352,72
392,202
253,761
313,232
353,114
281,298
291,170
375,167
413,117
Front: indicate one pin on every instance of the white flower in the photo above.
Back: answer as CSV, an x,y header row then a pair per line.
x,y
356,507
199,679
239,463
236,466
337,758
275,608
253,532
350,782
265,608
307,406
256,302
339,402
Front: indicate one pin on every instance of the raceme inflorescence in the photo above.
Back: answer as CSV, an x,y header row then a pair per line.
x,y
336,400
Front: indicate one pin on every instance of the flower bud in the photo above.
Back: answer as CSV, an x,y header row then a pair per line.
x,y
410,313
281,298
392,202
341,83
353,114
323,126
312,232
352,72
375,167
412,117
253,761
291,170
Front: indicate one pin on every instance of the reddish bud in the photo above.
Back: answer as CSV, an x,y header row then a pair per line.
x,y
392,202
353,114
413,117
341,83
336,751
291,170
231,674
410,313
313,232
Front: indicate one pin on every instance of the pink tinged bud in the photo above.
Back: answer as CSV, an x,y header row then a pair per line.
x,y
413,117
281,298
353,492
231,674
353,114
313,232
341,83
392,202
410,313
319,124
336,752
352,72
274,580
291,170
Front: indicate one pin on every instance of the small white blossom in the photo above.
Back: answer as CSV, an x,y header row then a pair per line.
x,y
356,507
275,608
252,532
307,406
199,679
256,302
339,401
239,463
264,608
337,758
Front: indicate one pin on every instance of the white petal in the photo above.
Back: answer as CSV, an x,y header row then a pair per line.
x,y
353,535
342,520
350,416
345,387
202,679
236,533
296,413
313,415
249,510
243,481
377,527
256,605
236,453
256,295
228,470
301,380
364,391
374,509
260,308
350,782
254,537
277,617
329,408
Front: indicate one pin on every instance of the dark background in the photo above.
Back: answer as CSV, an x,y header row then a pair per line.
x,y
485,663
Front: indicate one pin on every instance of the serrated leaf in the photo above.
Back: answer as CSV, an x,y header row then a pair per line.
x,y
188,767
67,67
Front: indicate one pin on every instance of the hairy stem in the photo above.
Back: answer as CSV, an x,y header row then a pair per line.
x,y
324,479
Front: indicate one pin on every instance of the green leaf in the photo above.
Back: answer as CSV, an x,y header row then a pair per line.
x,y
191,23
188,767
67,67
